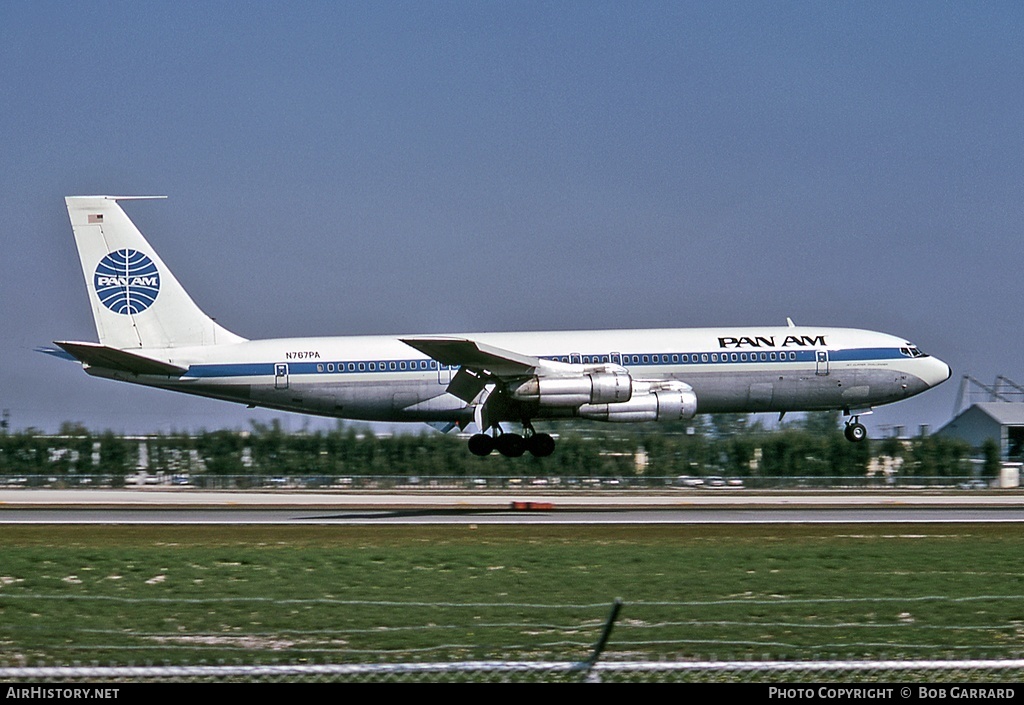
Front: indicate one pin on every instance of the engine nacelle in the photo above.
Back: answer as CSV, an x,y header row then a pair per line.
x,y
672,402
591,388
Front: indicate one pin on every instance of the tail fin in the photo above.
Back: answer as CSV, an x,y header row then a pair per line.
x,y
136,301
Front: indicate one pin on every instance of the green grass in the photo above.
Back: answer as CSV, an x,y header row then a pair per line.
x,y
121,595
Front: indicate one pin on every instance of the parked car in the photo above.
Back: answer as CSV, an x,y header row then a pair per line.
x,y
687,481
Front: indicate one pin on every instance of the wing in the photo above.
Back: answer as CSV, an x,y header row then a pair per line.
x,y
476,356
503,385
479,364
523,378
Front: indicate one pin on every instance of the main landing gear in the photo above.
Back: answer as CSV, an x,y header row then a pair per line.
x,y
855,430
512,445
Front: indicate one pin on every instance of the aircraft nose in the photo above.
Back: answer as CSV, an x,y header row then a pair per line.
x,y
938,372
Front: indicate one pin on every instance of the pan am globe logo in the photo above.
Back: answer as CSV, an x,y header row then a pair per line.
x,y
127,281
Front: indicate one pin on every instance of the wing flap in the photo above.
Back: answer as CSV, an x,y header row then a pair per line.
x,y
95,355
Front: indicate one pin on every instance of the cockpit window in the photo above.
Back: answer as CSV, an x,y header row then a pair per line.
x,y
913,351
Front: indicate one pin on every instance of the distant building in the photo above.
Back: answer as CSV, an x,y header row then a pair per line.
x,y
999,420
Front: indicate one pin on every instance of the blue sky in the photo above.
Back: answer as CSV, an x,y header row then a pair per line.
x,y
423,167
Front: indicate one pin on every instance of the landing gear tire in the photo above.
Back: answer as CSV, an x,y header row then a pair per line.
x,y
511,445
855,432
541,445
481,444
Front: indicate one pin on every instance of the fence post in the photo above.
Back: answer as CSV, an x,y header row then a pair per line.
x,y
603,640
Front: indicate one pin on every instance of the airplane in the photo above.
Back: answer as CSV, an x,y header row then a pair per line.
x,y
152,333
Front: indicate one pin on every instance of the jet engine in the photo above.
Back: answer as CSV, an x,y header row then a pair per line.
x,y
668,401
591,388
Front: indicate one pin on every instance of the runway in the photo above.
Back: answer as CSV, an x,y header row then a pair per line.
x,y
222,516
190,507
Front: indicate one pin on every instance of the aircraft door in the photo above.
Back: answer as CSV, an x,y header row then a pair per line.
x,y
821,359
444,374
281,375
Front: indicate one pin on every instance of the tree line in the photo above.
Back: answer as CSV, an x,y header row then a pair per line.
x,y
724,445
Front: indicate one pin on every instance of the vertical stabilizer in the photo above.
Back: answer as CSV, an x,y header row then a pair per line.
x,y
136,301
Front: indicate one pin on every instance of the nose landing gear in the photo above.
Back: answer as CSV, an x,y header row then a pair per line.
x,y
855,430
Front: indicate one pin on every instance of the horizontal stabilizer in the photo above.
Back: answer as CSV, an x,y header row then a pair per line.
x,y
95,355
57,352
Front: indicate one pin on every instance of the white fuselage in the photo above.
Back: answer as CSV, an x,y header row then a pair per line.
x,y
729,369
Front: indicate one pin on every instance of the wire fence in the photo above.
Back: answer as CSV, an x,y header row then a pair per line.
x,y
187,630
608,650
981,671
540,483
